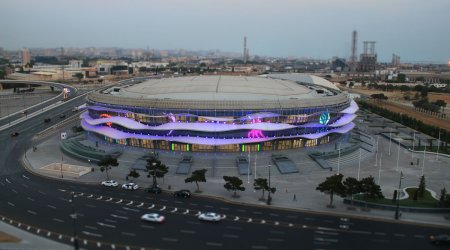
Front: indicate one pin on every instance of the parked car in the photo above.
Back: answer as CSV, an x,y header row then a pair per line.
x,y
130,186
110,183
14,134
154,190
440,239
183,193
47,120
209,216
153,217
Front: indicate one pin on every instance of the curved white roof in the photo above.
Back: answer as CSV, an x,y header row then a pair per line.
x,y
303,78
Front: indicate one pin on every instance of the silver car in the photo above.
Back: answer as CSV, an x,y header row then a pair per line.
x,y
153,217
110,183
130,186
209,216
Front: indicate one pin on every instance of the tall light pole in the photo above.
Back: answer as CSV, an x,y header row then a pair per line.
x,y
256,157
154,174
376,155
397,207
248,167
414,140
398,154
359,162
390,140
379,170
423,160
62,159
339,159
439,143
269,199
74,217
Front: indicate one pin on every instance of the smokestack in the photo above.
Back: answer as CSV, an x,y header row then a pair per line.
x,y
245,50
353,58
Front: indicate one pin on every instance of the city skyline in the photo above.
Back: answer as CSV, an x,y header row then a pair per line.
x,y
320,29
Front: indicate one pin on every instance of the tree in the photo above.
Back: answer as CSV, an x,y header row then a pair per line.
x,y
421,189
332,185
371,189
155,169
261,184
351,84
197,176
100,80
79,76
443,198
352,186
234,184
133,174
106,164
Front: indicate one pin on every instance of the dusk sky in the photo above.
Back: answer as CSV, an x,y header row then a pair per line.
x,y
417,30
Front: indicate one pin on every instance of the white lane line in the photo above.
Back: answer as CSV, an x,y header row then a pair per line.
x,y
49,234
325,239
14,191
275,239
326,228
140,205
6,179
399,235
120,201
147,226
89,205
198,213
361,232
90,196
25,185
380,233
99,198
259,247
119,216
256,212
128,234
91,234
326,233
29,198
304,226
24,176
131,209
276,232
50,206
263,222
85,242
111,221
43,193
187,231
58,220
99,244
91,227
152,206
249,220
223,217
163,208
224,208
232,236
236,219
186,212
60,237
31,212
113,246
106,225
11,204
38,231
170,239
277,223
214,244
131,202
290,225
163,200
174,210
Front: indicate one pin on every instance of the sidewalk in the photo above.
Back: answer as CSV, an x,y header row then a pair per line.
x,y
301,185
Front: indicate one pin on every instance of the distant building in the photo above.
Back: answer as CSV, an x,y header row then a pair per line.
x,y
25,56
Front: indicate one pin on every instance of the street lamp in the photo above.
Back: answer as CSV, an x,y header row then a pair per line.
x,y
74,217
397,208
268,197
154,174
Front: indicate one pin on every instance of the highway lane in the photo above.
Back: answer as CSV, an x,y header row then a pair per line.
x,y
44,203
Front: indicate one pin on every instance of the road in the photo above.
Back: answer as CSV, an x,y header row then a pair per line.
x,y
109,218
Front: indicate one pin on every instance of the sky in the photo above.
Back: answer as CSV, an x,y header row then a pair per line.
x,y
416,30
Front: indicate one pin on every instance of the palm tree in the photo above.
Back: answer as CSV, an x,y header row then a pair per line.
x,y
106,164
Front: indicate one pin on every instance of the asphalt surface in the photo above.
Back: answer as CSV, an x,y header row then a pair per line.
x,y
109,218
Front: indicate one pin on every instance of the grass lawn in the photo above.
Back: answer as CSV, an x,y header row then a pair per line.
x,y
426,201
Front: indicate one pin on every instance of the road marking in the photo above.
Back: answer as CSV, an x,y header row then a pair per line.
x,y
38,231
91,227
128,234
186,212
233,236
120,201
325,239
263,222
106,225
170,239
380,233
41,192
163,200
140,205
91,234
344,219
90,196
85,242
255,212
174,210
99,198
163,208
360,232
272,214
223,217
276,232
399,235
113,246
109,199
326,233
343,226
131,209
259,247
224,208
99,244
152,206
111,221
208,206
419,236
49,234
119,216
89,205
234,228
6,179
277,223
214,244
50,206
25,185
188,231
131,202
29,198
31,212
236,219
14,191
147,226
58,220
290,225
275,239
60,237
24,176
198,213
249,220
193,222
11,204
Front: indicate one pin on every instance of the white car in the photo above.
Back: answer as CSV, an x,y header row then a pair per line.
x,y
153,217
110,183
130,186
209,216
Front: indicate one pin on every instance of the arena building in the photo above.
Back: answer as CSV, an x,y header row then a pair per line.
x,y
221,113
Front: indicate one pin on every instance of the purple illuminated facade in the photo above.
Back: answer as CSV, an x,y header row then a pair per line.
x,y
225,125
